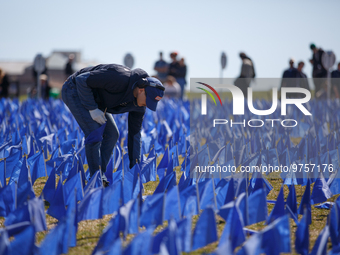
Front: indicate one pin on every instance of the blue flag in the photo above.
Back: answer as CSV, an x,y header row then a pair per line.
x,y
174,155
109,170
24,192
189,202
302,236
2,173
74,169
207,198
171,243
117,176
230,192
279,208
112,198
57,206
23,242
257,207
129,220
291,205
159,240
306,203
37,166
321,191
257,181
71,225
134,216
112,248
131,183
95,182
7,199
334,225
36,211
109,236
222,189
252,245
205,231
184,234
148,170
166,183
16,171
233,230
276,237
96,135
68,147
164,162
4,242
23,176
70,186
53,243
49,188
33,211
152,210
141,244
172,208
320,246
90,207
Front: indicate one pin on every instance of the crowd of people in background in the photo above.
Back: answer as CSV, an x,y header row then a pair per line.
x,y
295,77
172,75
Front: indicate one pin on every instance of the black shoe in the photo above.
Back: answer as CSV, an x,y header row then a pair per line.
x,y
106,184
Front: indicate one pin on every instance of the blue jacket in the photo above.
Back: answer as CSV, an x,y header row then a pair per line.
x,y
111,86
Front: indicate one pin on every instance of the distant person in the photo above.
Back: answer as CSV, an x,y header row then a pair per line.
x,y
162,68
172,88
335,75
319,73
289,73
44,86
68,67
174,65
288,78
182,72
35,74
247,74
301,81
4,84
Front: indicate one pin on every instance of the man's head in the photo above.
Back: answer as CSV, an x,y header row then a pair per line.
x,y
43,79
243,55
291,62
301,64
161,55
313,47
181,62
71,57
148,92
173,55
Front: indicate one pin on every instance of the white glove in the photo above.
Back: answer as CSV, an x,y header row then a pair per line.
x,y
98,116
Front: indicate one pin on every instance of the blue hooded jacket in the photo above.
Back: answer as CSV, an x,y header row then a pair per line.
x,y
111,86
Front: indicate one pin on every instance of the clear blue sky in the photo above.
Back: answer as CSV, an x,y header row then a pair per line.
x,y
270,32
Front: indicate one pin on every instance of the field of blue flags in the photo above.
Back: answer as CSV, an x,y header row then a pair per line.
x,y
41,145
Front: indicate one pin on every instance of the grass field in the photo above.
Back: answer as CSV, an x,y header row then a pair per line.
x,y
89,231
